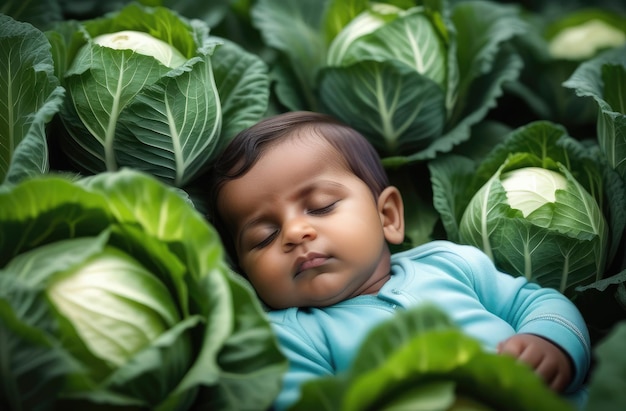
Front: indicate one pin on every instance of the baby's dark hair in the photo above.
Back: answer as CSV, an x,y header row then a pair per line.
x,y
248,146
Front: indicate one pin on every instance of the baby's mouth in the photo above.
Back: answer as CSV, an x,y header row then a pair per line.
x,y
310,261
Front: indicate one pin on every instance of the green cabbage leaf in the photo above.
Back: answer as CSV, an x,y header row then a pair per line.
x,y
30,95
601,78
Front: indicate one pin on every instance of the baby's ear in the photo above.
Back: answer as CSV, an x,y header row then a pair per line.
x,y
391,210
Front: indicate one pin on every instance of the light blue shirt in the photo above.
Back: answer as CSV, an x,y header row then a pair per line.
x,y
487,305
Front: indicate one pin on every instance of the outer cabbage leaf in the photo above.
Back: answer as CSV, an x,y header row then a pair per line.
x,y
294,27
451,175
242,83
30,96
170,129
604,79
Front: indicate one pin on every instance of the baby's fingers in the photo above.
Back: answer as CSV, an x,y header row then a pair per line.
x,y
555,377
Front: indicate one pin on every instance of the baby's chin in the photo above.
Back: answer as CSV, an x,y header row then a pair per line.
x,y
309,303
316,290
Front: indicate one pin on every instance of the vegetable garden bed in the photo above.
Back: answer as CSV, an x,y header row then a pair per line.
x,y
503,124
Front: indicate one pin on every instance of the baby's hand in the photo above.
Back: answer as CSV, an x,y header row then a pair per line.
x,y
547,359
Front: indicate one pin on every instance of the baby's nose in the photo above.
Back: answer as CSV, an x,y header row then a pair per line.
x,y
298,230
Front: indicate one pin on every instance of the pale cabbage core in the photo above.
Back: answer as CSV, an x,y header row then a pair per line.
x,y
529,188
585,40
142,43
115,306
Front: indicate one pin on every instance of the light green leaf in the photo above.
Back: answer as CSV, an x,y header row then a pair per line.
x,y
163,214
248,361
483,215
30,96
429,396
339,14
420,358
67,213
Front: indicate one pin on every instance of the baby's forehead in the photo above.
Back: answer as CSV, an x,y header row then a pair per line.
x,y
314,141
285,167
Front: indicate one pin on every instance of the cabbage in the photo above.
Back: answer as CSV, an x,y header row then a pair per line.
x,y
115,305
584,41
417,50
412,77
142,92
541,204
552,50
535,222
114,293
582,34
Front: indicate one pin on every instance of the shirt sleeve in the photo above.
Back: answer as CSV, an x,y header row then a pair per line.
x,y
528,308
307,360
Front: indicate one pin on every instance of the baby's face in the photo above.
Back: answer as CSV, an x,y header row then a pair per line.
x,y
307,231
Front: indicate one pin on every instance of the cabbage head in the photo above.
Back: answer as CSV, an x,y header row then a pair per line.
x,y
538,223
151,90
114,293
583,34
541,204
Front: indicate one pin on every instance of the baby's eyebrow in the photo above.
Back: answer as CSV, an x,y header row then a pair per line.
x,y
318,185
